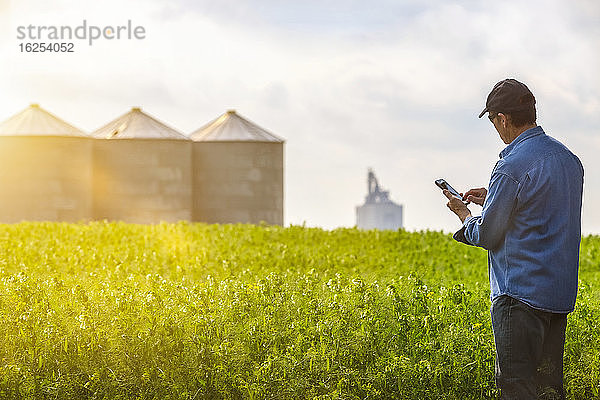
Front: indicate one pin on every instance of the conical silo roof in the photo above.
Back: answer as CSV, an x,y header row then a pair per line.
x,y
136,124
231,127
35,121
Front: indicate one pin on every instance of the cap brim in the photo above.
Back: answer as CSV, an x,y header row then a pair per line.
x,y
483,112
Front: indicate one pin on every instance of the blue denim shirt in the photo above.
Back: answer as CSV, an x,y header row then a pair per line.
x,y
531,223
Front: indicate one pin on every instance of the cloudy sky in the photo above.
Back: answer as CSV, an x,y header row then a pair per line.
x,y
391,85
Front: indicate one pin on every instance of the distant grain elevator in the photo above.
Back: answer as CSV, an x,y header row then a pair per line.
x,y
378,212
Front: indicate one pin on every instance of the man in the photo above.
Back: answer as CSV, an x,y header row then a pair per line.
x,y
531,226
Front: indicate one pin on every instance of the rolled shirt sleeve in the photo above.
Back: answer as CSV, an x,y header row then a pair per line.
x,y
488,230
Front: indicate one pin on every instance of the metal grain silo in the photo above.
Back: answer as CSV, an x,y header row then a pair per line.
x,y
45,169
238,172
142,171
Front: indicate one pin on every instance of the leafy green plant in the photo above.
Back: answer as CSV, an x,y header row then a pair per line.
x,y
194,311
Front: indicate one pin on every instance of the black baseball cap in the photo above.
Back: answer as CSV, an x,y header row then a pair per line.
x,y
507,96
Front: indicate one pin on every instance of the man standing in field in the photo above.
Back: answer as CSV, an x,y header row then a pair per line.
x,y
531,226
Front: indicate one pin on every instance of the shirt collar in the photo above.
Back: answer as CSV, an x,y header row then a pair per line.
x,y
529,133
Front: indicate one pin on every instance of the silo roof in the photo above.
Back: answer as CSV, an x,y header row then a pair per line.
x,y
136,124
35,121
231,127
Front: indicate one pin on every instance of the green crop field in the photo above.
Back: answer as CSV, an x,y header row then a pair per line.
x,y
193,311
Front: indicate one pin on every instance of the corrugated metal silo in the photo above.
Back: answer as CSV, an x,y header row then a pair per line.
x,y
238,172
45,169
142,171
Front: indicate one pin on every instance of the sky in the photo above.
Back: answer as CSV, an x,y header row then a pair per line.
x,y
395,86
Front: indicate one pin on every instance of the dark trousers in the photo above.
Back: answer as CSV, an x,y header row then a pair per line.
x,y
529,350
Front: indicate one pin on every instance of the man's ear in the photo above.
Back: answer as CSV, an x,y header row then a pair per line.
x,y
503,120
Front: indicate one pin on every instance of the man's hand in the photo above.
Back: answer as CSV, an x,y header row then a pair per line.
x,y
457,206
476,196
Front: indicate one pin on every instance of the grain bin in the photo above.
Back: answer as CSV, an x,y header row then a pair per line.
x,y
237,172
45,169
142,171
